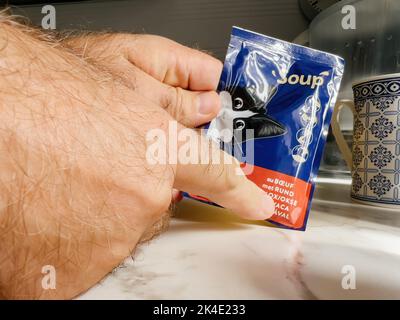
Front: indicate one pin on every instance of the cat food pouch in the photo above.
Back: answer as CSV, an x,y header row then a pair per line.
x,y
277,102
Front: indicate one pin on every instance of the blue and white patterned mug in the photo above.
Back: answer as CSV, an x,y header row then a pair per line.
x,y
375,156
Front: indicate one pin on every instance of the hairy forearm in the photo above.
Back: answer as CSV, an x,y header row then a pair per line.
x,y
67,137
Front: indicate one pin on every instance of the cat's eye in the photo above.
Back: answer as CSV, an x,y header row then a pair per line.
x,y
237,103
239,124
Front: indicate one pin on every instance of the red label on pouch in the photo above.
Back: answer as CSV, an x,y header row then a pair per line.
x,y
290,195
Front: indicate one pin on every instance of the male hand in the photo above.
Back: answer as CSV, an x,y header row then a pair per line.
x,y
177,78
76,189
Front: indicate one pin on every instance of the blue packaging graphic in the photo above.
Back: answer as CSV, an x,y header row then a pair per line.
x,y
284,95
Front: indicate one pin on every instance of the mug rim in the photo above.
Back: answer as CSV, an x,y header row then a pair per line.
x,y
375,78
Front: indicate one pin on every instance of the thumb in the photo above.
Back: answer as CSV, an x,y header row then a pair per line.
x,y
191,108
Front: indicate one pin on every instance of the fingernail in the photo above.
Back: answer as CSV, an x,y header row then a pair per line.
x,y
207,103
267,207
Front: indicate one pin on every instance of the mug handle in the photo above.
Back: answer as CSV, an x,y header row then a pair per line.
x,y
337,133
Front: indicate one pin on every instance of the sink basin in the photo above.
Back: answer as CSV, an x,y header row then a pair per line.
x,y
349,251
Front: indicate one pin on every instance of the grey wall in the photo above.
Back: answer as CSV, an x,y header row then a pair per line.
x,y
203,23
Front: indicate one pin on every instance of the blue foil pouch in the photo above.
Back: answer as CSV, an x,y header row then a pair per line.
x,y
277,102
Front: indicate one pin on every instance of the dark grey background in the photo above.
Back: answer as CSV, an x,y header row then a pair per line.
x,y
202,23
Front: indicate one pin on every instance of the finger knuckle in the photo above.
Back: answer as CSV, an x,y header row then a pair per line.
x,y
227,180
176,102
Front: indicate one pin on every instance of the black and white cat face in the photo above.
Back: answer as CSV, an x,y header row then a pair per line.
x,y
245,99
243,110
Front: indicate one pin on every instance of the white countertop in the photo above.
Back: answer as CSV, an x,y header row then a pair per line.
x,y
207,253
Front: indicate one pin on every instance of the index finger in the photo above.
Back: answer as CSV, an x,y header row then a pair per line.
x,y
175,64
222,183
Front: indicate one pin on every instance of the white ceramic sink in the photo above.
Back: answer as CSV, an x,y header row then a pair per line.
x,y
207,253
